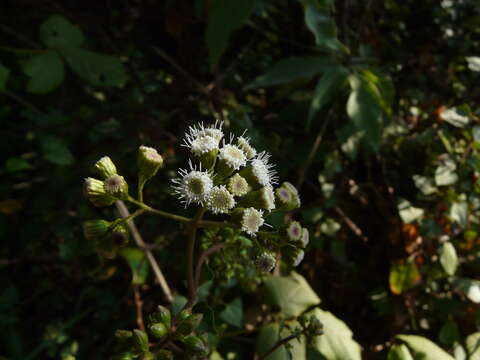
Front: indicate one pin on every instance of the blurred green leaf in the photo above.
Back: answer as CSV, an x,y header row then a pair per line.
x,y
225,17
404,275
46,72
470,287
473,346
267,338
448,258
233,313
330,226
399,352
56,151
449,333
15,164
445,174
293,294
138,264
423,348
424,184
459,213
58,32
328,85
293,68
408,212
178,303
97,69
4,74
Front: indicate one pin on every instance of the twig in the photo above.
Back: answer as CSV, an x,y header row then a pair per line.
x,y
23,102
313,151
351,225
19,36
277,345
201,261
192,234
138,307
122,209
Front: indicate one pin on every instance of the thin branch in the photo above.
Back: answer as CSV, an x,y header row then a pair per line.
x,y
6,29
23,102
122,209
201,260
192,234
277,345
351,225
138,307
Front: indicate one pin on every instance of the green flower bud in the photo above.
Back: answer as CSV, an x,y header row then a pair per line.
x,y
117,187
237,185
287,197
162,315
105,167
140,339
148,161
315,327
123,334
94,190
195,346
292,255
158,330
164,355
95,229
259,199
120,235
265,261
186,326
184,314
124,343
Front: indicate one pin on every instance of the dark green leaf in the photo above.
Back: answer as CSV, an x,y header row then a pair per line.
x,y
268,337
15,164
46,72
97,69
56,151
293,68
178,303
4,74
326,88
233,313
449,333
58,32
225,16
138,264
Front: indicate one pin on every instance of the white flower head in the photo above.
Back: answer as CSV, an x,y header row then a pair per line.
x,y
203,144
244,144
267,197
265,261
214,131
151,154
237,185
294,231
252,219
298,258
305,237
284,195
193,186
263,171
220,201
233,156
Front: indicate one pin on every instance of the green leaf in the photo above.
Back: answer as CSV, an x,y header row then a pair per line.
x,y
404,275
326,88
138,264
178,303
225,17
15,164
320,22
473,346
56,151
448,258
424,348
267,338
399,352
459,352
97,69
4,74
329,227
58,32
449,333
459,213
233,313
294,68
470,287
364,110
292,294
337,342
407,212
46,72
424,184
445,173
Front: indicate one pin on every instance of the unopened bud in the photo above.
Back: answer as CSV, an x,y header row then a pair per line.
x,y
105,167
117,187
195,346
162,315
265,261
287,197
189,324
259,199
120,235
123,334
237,185
158,330
95,229
140,339
94,190
148,161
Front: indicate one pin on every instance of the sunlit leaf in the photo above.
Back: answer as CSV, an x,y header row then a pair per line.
x,y
424,348
404,275
448,258
473,346
470,287
445,174
424,184
454,117
407,212
399,352
459,213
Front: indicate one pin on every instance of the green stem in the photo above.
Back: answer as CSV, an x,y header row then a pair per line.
x,y
159,212
192,234
141,184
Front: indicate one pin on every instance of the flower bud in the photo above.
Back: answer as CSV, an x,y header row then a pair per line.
x,y
95,229
117,187
259,199
162,315
123,335
148,161
158,330
287,197
140,339
220,200
249,220
94,190
305,238
265,261
195,346
184,314
293,255
105,167
237,185
186,326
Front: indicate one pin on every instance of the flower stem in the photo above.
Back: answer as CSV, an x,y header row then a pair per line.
x,y
159,212
192,234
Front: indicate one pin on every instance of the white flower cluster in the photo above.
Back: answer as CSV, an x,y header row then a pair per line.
x,y
231,176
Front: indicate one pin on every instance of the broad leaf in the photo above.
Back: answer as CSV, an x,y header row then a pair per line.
x,y
407,212
326,88
337,342
15,164
138,264
267,338
233,313
46,72
459,213
424,184
449,333
399,352
470,287
448,258
292,294
294,68
225,16
4,74
97,69
424,348
58,32
320,22
404,275
56,151
445,173
473,346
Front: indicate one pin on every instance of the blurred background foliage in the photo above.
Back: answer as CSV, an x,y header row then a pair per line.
x,y
369,107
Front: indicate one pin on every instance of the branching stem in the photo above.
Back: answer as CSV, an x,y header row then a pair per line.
x,y
192,235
